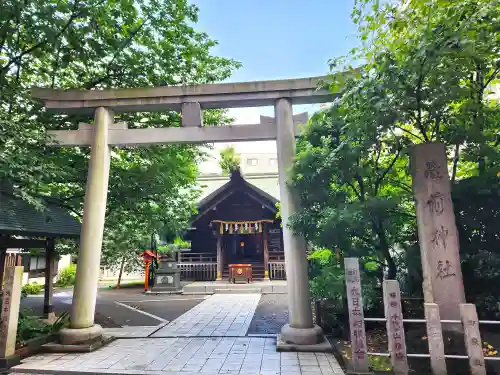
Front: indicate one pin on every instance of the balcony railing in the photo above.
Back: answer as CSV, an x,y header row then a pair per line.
x,y
197,258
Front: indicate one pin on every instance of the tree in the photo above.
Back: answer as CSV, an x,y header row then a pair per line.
x,y
427,69
229,160
422,73
93,45
356,195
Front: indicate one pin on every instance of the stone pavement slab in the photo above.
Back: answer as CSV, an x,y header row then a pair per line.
x,y
186,356
132,331
220,315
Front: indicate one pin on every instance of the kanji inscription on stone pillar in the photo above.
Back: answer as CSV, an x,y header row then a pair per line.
x,y
356,315
437,231
395,329
10,310
473,339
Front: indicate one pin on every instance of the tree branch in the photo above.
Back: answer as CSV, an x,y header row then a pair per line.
x,y
4,29
437,125
493,75
409,132
397,212
361,184
403,186
378,145
355,190
387,170
67,207
418,97
379,230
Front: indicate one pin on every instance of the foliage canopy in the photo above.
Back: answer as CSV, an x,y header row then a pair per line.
x,y
424,71
92,45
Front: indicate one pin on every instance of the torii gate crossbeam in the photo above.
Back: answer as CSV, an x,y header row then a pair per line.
x,y
120,135
190,100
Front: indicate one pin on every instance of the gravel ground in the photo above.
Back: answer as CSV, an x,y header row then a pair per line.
x,y
271,314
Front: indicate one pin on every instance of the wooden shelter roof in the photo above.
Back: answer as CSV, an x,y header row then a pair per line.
x,y
18,217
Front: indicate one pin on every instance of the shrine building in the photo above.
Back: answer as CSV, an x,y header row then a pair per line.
x,y
236,224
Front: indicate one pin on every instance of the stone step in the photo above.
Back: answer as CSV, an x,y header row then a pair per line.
x,y
255,277
238,291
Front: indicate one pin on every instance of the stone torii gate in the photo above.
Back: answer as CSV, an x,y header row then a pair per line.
x,y
190,101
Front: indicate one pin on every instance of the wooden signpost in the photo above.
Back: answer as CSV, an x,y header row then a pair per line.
x,y
395,330
10,315
356,316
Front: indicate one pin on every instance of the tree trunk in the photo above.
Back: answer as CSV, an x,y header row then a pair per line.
x,y
384,247
392,272
120,274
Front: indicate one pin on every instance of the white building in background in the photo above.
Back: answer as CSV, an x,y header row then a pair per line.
x,y
258,168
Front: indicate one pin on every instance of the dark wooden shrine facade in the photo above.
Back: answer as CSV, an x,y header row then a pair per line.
x,y
236,224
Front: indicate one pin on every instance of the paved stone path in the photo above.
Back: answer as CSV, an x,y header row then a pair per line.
x,y
188,356
179,348
219,315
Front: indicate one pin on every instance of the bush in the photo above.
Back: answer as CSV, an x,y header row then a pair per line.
x,y
32,327
32,288
67,276
178,244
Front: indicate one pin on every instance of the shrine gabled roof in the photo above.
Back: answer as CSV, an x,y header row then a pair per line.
x,y
237,183
18,217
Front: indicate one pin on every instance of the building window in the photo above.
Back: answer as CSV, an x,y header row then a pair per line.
x,y
273,161
252,162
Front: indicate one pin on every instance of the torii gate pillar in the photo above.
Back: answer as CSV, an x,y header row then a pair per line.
x,y
300,330
82,327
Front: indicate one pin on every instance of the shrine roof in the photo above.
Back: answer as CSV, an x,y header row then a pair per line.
x,y
235,184
268,182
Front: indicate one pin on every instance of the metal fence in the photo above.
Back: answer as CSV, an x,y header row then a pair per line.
x,y
395,322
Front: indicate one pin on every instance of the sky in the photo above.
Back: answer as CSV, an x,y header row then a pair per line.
x,y
275,39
